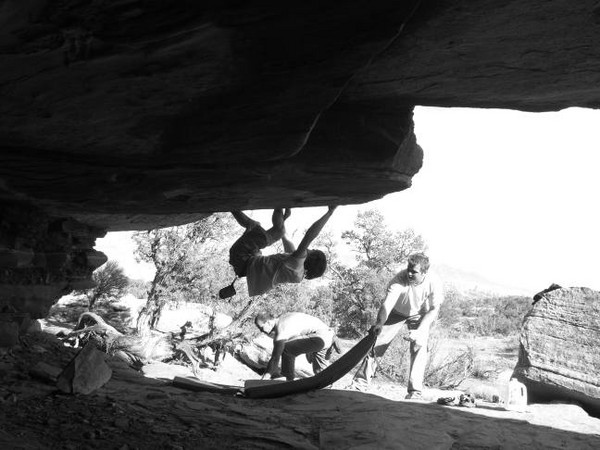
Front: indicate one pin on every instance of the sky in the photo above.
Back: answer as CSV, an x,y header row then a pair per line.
x,y
508,195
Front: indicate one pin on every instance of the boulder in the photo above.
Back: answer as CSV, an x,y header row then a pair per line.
x,y
558,355
85,373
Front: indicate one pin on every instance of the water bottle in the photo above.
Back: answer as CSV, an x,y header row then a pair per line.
x,y
516,396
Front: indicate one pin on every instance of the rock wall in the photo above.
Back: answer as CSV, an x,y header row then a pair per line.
x,y
134,114
558,356
138,114
43,258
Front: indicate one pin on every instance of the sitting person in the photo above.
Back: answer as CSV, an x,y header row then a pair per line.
x,y
264,272
295,334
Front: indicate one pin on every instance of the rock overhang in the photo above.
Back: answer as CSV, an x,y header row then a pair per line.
x,y
132,115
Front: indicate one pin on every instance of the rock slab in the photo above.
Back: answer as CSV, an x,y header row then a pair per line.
x,y
87,372
558,355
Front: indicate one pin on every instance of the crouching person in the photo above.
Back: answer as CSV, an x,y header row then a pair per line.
x,y
295,334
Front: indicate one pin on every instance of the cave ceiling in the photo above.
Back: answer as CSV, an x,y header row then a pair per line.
x,y
135,114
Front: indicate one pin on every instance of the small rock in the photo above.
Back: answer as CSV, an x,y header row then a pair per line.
x,y
122,423
38,349
9,334
89,435
174,447
45,371
157,396
85,373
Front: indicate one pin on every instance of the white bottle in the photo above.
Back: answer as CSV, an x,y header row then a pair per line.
x,y
516,396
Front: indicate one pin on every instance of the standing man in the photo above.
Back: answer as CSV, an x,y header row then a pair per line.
x,y
414,297
294,334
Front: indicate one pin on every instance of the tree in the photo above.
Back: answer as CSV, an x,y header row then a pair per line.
x,y
189,263
376,246
111,282
358,290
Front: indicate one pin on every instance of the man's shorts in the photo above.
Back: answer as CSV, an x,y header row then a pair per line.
x,y
247,246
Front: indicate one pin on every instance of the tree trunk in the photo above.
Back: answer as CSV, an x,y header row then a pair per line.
x,y
149,314
132,348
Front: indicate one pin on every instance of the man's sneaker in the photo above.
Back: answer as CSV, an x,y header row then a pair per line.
x,y
448,401
414,395
226,292
362,387
467,400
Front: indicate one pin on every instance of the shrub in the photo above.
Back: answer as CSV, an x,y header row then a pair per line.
x,y
138,288
451,371
487,315
111,283
444,372
395,362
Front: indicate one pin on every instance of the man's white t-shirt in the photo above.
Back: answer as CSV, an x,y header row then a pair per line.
x,y
297,325
408,300
264,272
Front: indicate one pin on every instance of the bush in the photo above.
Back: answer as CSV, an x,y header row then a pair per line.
x,y
394,364
357,295
451,371
111,283
138,288
444,373
486,315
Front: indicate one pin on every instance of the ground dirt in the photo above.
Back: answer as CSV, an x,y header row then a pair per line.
x,y
143,410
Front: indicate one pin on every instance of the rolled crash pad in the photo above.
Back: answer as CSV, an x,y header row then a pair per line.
x,y
254,383
194,384
323,379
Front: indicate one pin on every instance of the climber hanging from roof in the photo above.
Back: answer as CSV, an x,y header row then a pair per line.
x,y
264,272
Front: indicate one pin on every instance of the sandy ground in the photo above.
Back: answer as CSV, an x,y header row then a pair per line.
x,y
133,411
143,410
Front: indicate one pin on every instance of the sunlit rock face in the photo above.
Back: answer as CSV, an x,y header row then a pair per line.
x,y
558,357
127,115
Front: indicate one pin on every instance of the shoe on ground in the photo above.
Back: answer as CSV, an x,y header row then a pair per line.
x,y
448,401
467,400
415,395
227,292
361,387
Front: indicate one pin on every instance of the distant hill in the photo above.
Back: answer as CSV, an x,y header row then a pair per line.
x,y
465,281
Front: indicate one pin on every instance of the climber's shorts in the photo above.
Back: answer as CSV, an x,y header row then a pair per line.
x,y
247,246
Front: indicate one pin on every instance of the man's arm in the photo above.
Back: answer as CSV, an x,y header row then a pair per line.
x,y
288,246
436,302
243,219
393,292
430,316
273,365
313,232
420,334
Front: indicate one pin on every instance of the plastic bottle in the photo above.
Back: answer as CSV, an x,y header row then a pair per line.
x,y
516,396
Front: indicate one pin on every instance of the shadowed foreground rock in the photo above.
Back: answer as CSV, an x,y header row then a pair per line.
x,y
131,411
85,373
558,356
